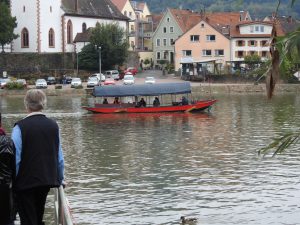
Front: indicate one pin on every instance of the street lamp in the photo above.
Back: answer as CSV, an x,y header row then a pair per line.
x,y
99,49
77,62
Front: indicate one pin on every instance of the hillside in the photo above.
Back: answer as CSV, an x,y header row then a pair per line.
x,y
258,9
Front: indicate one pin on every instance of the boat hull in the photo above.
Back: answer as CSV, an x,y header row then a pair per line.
x,y
198,106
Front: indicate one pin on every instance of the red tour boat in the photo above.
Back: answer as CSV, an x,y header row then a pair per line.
x,y
148,91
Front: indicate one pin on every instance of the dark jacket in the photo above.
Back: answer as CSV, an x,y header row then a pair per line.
x,y
7,174
39,156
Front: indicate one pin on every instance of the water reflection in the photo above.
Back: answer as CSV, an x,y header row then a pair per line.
x,y
154,168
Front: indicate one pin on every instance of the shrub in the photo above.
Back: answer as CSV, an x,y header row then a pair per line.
x,y
78,87
14,86
58,86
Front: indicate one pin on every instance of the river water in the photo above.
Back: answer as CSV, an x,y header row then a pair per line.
x,y
150,169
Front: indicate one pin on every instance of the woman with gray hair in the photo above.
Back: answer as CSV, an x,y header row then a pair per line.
x,y
39,158
35,100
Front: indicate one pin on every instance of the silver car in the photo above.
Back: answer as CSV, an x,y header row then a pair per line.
x,y
76,82
128,79
92,82
41,83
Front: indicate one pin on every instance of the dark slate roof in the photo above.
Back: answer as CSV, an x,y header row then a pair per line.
x,y
142,89
93,8
82,37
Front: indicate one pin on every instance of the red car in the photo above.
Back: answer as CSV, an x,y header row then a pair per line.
x,y
132,70
109,82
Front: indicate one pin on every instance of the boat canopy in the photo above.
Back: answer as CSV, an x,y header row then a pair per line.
x,y
142,89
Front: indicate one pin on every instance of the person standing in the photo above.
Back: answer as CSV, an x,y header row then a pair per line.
x,y
39,159
7,174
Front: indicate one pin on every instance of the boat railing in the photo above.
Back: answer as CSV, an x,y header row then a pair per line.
x,y
63,215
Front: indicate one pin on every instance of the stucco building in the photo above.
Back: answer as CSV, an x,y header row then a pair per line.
x,y
51,26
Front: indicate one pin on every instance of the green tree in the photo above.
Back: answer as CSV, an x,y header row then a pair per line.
x,y
288,48
114,47
252,61
88,58
7,25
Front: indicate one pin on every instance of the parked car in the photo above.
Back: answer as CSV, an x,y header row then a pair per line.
x,y
51,80
150,80
102,78
76,82
92,82
109,81
23,82
132,70
128,79
3,82
68,79
112,74
41,83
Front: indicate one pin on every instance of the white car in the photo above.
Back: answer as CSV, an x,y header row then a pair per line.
x,y
41,83
102,78
76,82
128,79
149,80
3,82
113,74
92,82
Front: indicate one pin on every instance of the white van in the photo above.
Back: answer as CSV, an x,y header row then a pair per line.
x,y
98,76
113,74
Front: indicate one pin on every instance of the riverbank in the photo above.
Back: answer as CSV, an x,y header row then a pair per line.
x,y
197,87
215,88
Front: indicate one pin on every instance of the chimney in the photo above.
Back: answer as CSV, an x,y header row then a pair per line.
x,y
76,5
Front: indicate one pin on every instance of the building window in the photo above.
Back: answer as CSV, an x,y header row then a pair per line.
x,y
239,54
252,53
210,37
69,32
51,9
130,14
164,30
171,29
158,55
125,13
25,38
251,29
83,27
132,28
240,43
262,29
202,25
256,28
51,38
165,54
264,43
264,54
252,43
187,52
157,42
219,52
194,38
206,52
168,19
171,41
165,42
24,8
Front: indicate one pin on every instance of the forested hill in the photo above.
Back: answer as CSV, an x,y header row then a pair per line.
x,y
257,8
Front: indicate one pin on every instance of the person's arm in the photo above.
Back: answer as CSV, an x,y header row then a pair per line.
x,y
61,162
16,136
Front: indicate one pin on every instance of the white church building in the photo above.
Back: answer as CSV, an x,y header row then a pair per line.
x,y
48,26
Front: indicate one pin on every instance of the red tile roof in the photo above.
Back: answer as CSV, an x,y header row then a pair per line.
x,y
235,29
119,3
